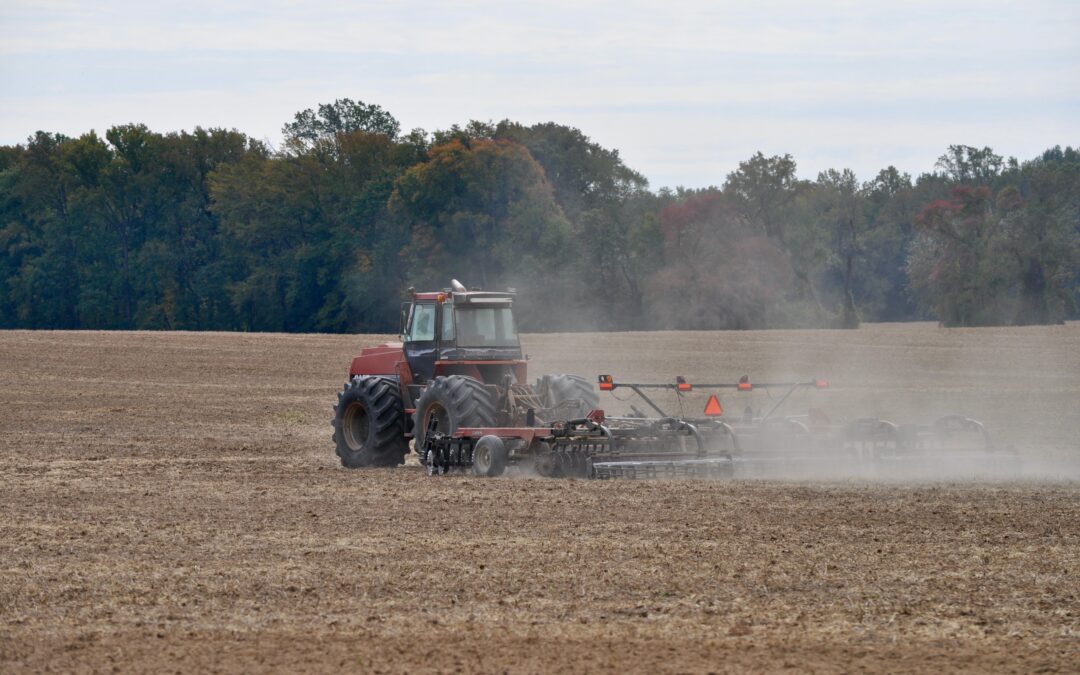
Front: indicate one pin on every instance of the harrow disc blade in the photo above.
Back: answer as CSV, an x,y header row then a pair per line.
x,y
661,469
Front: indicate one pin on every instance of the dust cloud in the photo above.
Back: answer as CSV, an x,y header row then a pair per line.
x,y
1023,384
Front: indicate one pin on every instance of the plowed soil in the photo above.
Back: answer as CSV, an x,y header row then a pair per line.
x,y
171,502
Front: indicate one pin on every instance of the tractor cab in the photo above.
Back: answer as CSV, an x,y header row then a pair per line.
x,y
462,332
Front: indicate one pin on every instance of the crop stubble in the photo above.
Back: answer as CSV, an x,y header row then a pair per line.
x,y
171,501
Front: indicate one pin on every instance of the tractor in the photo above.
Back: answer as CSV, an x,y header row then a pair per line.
x,y
459,364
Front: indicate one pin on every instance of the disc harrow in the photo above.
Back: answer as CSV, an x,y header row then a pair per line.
x,y
712,445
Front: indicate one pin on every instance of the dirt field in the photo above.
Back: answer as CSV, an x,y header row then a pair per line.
x,y
171,501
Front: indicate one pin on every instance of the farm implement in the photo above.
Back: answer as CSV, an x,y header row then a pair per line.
x,y
455,386
763,442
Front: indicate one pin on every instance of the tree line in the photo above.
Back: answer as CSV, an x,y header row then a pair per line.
x,y
214,230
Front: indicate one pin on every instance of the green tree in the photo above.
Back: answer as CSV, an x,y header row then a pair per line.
x,y
307,227
612,216
39,240
314,128
891,207
765,192
981,259
184,265
971,166
1041,232
483,211
719,271
210,229
864,242
955,264
839,215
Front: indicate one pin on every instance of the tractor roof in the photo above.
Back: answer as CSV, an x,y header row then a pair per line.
x,y
468,297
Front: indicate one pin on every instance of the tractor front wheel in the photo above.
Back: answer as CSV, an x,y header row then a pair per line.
x,y
369,423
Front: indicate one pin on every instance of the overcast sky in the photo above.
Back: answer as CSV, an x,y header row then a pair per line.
x,y
684,90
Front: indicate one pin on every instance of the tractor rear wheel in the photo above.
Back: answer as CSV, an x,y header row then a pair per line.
x,y
369,423
449,403
573,394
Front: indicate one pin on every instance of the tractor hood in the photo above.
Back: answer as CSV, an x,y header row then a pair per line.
x,y
381,360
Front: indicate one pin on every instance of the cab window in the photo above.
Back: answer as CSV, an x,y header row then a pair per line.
x,y
447,322
422,325
486,327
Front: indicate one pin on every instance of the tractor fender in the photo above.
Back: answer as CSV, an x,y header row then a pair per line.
x,y
380,360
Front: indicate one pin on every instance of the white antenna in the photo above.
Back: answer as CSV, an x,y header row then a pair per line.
x,y
456,285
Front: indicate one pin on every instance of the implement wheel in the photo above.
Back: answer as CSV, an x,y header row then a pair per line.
x,y
489,456
449,403
369,423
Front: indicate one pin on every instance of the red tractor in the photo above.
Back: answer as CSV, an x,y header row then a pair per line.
x,y
459,364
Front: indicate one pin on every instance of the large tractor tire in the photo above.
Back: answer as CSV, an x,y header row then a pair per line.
x,y
576,395
369,423
449,403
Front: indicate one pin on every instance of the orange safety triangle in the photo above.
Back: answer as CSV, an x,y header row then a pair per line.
x,y
713,407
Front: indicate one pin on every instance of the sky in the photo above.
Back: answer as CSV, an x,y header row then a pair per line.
x,y
683,90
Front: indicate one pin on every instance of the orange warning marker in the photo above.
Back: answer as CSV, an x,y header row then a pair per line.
x,y
713,407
